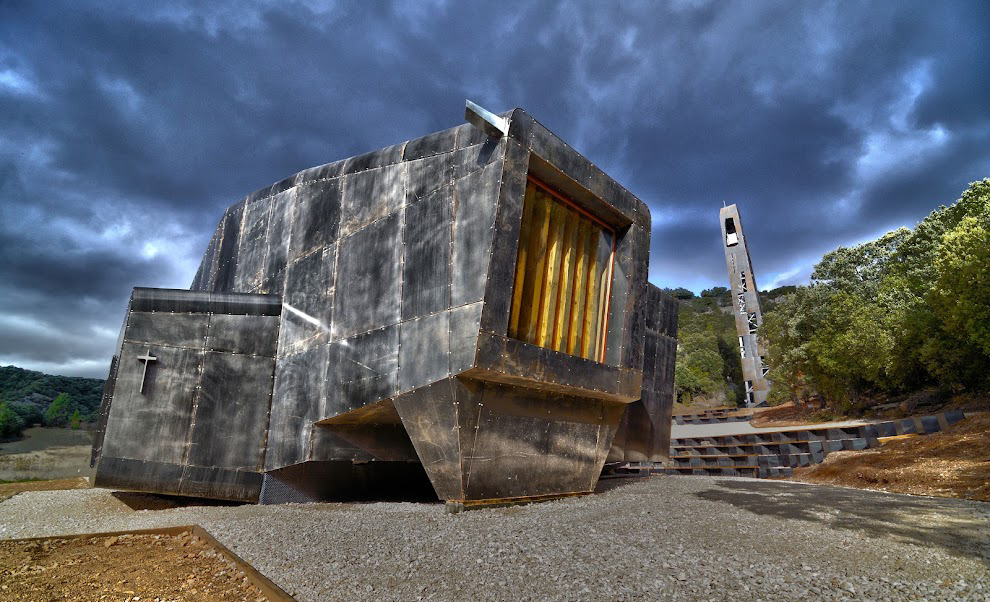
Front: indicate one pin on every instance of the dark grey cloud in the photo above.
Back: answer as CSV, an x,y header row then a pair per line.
x,y
126,129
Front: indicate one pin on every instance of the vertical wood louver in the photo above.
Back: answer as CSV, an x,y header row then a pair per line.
x,y
563,276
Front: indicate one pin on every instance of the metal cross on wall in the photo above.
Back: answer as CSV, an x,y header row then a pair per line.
x,y
146,358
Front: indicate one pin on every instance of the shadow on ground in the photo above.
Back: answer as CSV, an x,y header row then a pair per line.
x,y
961,528
154,501
606,484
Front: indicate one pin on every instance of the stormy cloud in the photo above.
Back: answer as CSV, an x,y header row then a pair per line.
x,y
126,129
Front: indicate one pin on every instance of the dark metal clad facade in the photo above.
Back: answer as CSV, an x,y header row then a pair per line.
x,y
356,320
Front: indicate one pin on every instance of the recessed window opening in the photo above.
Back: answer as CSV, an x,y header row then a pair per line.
x,y
751,318
563,276
742,348
730,232
742,280
741,302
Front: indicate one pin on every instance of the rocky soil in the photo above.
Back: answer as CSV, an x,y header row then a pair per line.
x,y
161,568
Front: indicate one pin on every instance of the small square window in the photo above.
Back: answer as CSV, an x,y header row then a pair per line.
x,y
563,276
731,238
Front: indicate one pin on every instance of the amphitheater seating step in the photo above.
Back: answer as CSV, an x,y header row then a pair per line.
x,y
770,454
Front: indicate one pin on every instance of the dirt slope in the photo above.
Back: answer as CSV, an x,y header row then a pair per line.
x,y
953,463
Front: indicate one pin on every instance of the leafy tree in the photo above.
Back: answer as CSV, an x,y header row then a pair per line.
x,y
60,411
961,295
860,269
905,311
707,354
680,293
75,419
10,423
29,413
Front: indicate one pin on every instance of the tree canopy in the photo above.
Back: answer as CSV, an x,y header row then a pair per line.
x,y
908,310
708,363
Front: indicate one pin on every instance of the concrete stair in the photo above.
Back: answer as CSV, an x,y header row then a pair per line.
x,y
772,454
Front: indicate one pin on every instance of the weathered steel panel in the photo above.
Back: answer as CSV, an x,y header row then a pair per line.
x,y
425,176
644,433
432,144
152,424
464,326
474,219
363,443
251,335
219,483
138,475
161,328
529,443
315,217
361,370
208,265
426,263
307,304
277,237
320,172
380,158
223,279
430,416
231,412
299,389
169,300
468,135
423,347
252,246
369,196
368,278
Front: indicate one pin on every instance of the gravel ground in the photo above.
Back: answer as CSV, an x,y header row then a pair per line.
x,y
665,538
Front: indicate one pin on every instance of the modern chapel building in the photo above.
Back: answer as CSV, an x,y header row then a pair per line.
x,y
469,310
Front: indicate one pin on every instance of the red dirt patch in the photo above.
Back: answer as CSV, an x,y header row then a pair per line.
x,y
125,567
9,490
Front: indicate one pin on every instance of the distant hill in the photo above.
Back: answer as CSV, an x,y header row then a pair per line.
x,y
708,371
20,387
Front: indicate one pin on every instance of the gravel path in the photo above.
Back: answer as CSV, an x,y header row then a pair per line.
x,y
665,538
741,428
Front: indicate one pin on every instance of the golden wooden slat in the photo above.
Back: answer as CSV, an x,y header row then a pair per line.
x,y
551,281
561,283
562,321
588,338
521,258
580,283
601,318
535,259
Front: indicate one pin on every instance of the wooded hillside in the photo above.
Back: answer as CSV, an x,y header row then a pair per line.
x,y
28,397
